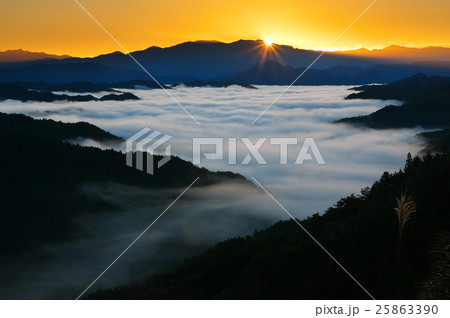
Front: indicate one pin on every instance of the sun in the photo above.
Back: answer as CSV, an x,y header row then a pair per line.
x,y
268,41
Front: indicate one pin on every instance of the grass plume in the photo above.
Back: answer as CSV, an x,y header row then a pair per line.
x,y
405,207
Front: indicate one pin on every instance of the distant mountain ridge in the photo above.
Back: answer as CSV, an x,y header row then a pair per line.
x,y
212,60
271,72
404,54
206,59
14,56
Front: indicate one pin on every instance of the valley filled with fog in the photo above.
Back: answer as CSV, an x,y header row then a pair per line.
x,y
354,158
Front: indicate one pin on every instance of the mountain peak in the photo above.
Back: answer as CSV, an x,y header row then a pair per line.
x,y
20,55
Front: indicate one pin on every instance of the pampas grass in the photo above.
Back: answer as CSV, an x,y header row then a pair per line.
x,y
405,207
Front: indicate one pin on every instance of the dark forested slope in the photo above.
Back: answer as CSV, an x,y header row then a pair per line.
x,y
426,103
41,177
360,231
49,128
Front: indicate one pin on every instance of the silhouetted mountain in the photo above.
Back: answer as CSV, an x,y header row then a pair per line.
x,y
213,84
273,73
138,84
436,140
408,89
404,54
205,59
48,128
422,80
14,56
209,60
119,97
16,92
64,72
360,231
427,103
343,70
41,179
395,72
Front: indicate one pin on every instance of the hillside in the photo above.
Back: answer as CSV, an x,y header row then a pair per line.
x,y
16,92
42,176
360,231
438,140
427,104
48,128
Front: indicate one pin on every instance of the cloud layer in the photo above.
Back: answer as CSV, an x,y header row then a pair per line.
x,y
354,158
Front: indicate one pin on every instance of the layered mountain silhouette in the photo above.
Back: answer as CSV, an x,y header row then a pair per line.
x,y
14,56
426,103
65,72
16,92
271,72
404,54
48,128
438,140
212,60
42,176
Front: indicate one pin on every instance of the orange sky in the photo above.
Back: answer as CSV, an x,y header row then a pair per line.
x,y
61,27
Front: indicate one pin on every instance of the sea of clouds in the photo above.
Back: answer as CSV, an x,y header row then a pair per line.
x,y
354,158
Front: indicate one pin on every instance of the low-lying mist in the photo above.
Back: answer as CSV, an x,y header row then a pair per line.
x,y
354,158
201,218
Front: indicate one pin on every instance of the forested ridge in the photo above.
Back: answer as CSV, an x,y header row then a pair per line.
x,y
360,231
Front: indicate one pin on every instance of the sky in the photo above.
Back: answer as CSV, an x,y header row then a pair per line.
x,y
62,27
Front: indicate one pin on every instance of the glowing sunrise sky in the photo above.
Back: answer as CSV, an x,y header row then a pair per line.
x,y
61,27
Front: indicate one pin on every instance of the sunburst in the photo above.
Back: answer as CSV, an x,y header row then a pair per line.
x,y
268,41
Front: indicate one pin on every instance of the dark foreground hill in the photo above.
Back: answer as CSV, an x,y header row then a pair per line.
x,y
48,128
438,140
427,104
41,177
360,231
